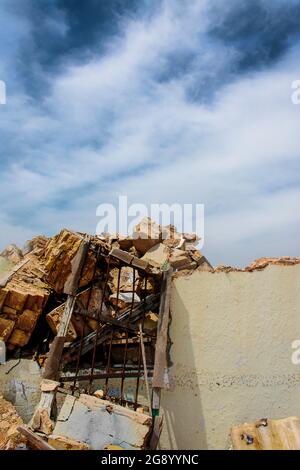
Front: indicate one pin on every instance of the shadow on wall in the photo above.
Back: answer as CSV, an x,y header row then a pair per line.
x,y
184,421
232,350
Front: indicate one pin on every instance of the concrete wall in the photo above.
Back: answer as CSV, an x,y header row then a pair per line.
x,y
232,335
20,384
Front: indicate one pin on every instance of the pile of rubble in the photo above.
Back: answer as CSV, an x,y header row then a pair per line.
x,y
10,437
260,264
42,272
88,308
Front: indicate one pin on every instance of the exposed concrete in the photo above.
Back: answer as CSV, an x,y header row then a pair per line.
x,y
99,423
20,385
232,335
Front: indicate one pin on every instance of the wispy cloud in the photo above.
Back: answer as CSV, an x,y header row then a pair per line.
x,y
175,107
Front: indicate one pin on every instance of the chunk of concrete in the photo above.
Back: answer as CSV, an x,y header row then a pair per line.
x,y
20,385
146,235
179,259
157,256
9,422
99,423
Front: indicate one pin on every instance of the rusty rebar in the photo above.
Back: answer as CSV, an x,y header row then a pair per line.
x,y
98,328
127,336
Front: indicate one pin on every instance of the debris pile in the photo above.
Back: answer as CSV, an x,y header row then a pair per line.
x,y
10,437
90,310
23,297
260,264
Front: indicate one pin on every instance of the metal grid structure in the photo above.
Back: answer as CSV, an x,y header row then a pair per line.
x,y
130,322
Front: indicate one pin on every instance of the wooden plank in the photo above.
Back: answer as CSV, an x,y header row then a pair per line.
x,y
66,317
121,255
56,349
104,375
34,440
145,367
116,342
160,363
129,259
156,432
77,265
51,371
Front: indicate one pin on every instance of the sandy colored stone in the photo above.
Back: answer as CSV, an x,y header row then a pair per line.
x,y
179,258
16,299
267,434
6,328
157,256
99,394
36,244
9,421
12,253
65,443
49,385
151,320
19,338
260,264
23,299
27,320
42,422
60,253
170,236
54,318
3,294
10,312
87,301
152,286
146,234
126,279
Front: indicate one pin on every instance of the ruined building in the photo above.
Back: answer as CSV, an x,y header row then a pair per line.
x,y
146,345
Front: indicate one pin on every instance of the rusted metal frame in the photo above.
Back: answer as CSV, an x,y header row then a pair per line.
x,y
128,403
122,326
140,351
98,329
111,398
83,324
105,375
127,336
133,340
112,332
151,302
114,368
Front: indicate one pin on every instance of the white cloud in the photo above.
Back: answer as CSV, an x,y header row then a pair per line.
x,y
112,126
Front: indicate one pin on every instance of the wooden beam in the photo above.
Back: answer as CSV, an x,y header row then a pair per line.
x,y
160,363
145,367
156,432
55,354
34,440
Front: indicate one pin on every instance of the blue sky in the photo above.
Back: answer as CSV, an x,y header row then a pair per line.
x,y
165,101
